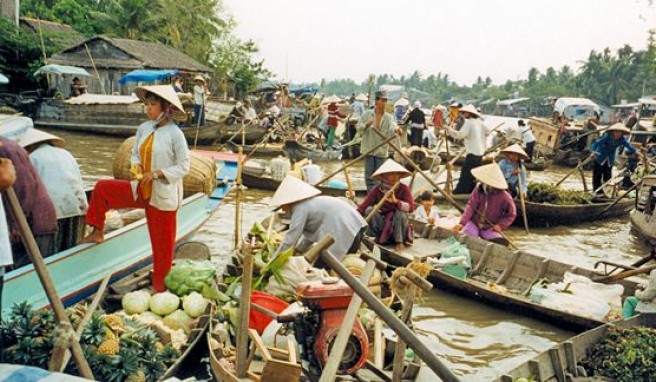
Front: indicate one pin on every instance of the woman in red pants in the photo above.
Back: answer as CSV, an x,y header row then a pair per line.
x,y
160,160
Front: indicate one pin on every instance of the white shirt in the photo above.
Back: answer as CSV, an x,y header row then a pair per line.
x,y
358,109
527,136
250,114
171,156
199,95
420,213
473,135
61,175
5,246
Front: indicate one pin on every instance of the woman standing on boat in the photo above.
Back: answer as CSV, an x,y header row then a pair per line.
x,y
490,209
160,160
512,167
604,150
390,224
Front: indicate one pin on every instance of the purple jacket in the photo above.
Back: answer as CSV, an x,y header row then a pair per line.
x,y
498,206
31,193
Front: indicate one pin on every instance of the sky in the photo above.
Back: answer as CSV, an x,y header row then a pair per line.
x,y
305,41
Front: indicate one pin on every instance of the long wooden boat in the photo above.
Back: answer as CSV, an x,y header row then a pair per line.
x,y
297,151
499,276
642,216
78,271
255,151
267,183
560,363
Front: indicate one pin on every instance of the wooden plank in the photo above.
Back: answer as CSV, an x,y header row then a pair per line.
x,y
509,268
481,263
399,349
544,265
554,354
379,343
571,358
534,367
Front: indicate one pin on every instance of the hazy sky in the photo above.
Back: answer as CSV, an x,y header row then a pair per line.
x,y
307,40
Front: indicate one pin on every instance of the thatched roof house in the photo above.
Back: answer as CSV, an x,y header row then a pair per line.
x,y
114,57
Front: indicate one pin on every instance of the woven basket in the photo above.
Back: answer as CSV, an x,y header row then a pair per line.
x,y
201,177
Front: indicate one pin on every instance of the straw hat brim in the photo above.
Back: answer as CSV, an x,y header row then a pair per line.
x,y
167,93
292,190
619,127
33,136
200,78
471,110
515,149
390,167
490,175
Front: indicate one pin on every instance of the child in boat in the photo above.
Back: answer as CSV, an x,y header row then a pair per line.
x,y
427,212
490,209
512,167
390,223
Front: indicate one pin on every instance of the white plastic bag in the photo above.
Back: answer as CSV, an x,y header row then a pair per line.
x,y
297,270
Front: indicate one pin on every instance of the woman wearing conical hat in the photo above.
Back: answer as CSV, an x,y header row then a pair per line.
x,y
314,216
490,209
160,160
604,150
390,224
512,167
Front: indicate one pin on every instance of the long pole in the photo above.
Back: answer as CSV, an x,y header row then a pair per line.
x,y
400,328
617,200
240,166
37,260
102,86
586,161
521,195
381,202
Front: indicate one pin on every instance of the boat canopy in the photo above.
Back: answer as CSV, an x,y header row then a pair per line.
x,y
626,105
62,69
102,99
576,108
647,101
512,101
147,75
303,90
3,79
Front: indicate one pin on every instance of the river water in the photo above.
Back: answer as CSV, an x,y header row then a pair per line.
x,y
477,341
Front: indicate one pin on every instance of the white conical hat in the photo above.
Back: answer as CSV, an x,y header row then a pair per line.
x,y
390,166
517,149
167,93
619,127
361,97
401,102
491,175
292,190
32,136
470,109
331,99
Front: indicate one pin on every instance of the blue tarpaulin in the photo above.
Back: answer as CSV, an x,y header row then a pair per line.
x,y
307,89
144,75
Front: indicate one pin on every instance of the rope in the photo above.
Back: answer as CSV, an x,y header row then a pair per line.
x,y
399,283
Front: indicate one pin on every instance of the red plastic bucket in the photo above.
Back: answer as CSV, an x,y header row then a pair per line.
x,y
259,321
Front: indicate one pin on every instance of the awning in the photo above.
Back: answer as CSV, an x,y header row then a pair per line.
x,y
507,102
146,75
306,89
62,69
3,79
625,105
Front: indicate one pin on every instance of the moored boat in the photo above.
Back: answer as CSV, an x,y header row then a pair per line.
x,y
263,150
265,182
297,151
645,201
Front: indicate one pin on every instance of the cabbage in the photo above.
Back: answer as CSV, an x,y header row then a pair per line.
x,y
188,276
178,320
148,318
194,304
164,303
135,302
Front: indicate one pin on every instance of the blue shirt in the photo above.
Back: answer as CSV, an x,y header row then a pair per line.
x,y
606,147
507,168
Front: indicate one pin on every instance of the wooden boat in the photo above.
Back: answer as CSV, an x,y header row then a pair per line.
x,y
263,151
264,182
642,216
560,363
78,271
297,151
251,134
499,276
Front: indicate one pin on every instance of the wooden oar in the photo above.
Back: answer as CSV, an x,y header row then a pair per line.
x,y
586,161
449,176
381,202
625,274
231,137
626,193
349,186
521,196
238,197
34,254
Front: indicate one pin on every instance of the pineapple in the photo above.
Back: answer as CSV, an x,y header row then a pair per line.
x,y
138,376
109,347
114,322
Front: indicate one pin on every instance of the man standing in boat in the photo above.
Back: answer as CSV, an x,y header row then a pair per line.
x,y
200,94
528,139
417,121
313,216
604,150
382,121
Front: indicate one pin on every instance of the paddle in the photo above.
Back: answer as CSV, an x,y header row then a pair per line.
x,y
381,202
449,176
581,136
521,196
586,161
617,200
624,274
68,338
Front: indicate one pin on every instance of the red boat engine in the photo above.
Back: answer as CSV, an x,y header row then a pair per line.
x,y
317,329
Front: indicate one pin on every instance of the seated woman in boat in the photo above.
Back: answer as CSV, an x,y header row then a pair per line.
x,y
490,209
604,150
512,167
314,216
160,160
427,212
644,301
390,223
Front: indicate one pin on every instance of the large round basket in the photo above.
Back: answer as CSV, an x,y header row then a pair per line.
x,y
201,177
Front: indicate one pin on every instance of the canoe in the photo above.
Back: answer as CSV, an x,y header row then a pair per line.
x,y
267,183
499,277
560,363
78,271
262,151
252,134
297,151
642,216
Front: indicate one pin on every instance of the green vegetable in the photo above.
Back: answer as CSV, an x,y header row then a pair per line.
x,y
194,304
190,276
135,302
550,193
164,303
178,320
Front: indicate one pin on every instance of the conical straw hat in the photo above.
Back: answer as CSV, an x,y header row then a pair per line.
x,y
516,149
401,102
32,136
491,175
361,97
619,127
167,93
390,166
292,190
470,109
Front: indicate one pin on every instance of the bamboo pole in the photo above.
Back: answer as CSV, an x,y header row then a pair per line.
x,y
399,348
626,193
238,197
586,161
241,364
102,86
381,202
349,185
521,196
44,276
